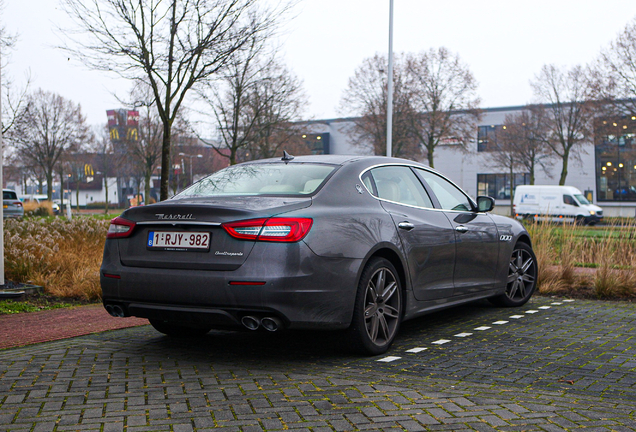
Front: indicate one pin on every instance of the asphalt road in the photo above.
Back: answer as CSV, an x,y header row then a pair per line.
x,y
550,365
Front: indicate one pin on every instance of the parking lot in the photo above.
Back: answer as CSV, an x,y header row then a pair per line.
x,y
550,365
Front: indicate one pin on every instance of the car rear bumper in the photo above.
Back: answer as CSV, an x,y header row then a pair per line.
x,y
288,282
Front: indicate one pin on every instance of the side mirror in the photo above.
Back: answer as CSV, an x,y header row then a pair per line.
x,y
485,203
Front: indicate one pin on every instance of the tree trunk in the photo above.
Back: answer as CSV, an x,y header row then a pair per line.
x,y
165,162
77,194
564,168
512,201
61,173
532,173
429,155
106,191
49,185
147,176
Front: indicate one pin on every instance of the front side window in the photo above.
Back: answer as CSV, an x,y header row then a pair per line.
x,y
450,197
569,200
261,179
399,184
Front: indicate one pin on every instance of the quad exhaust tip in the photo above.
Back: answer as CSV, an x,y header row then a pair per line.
x,y
251,322
271,323
115,310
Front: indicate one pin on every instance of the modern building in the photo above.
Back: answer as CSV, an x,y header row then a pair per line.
x,y
604,168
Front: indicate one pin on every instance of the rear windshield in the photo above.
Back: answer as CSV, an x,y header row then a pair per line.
x,y
8,195
262,179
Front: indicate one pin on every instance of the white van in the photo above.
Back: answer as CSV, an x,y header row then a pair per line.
x,y
558,203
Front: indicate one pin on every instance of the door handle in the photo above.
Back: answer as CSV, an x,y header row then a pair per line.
x,y
461,228
406,226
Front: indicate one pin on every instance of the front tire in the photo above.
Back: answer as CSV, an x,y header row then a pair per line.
x,y
170,328
377,313
522,277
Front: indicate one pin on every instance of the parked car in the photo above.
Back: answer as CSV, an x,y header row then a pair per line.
x,y
11,205
555,203
316,242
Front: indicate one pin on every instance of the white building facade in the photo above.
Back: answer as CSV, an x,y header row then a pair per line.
x,y
596,170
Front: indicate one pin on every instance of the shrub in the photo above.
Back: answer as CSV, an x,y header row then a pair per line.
x,y
32,208
62,256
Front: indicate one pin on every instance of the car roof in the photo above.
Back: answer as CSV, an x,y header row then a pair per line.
x,y
342,160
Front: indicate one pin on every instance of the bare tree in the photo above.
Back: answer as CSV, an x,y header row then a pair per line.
x,y
443,92
47,127
505,155
522,135
275,101
172,45
569,113
12,98
228,100
366,97
614,74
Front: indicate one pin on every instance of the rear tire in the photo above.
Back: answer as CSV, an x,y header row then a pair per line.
x,y
177,330
522,278
377,313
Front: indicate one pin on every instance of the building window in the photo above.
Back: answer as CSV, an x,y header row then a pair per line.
x,y
615,151
498,185
487,137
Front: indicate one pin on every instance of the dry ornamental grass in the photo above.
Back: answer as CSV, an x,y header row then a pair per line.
x,y
610,250
62,256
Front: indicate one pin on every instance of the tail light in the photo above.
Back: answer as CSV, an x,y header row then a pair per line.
x,y
272,229
17,203
120,228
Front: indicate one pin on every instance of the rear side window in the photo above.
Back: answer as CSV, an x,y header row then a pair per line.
x,y
9,195
262,179
399,184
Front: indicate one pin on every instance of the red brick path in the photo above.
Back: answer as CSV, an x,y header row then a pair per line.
x,y
44,326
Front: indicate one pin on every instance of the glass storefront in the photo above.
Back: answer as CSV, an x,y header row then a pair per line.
x,y
497,186
615,151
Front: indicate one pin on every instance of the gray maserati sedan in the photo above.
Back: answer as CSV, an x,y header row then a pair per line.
x,y
350,243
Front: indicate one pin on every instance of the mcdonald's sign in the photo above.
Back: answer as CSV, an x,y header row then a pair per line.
x,y
88,170
132,134
114,134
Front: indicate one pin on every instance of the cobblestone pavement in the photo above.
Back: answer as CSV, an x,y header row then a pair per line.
x,y
551,365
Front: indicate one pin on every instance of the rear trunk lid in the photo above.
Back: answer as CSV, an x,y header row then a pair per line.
x,y
197,215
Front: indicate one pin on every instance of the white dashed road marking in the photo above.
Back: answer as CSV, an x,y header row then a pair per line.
x,y
500,322
441,342
389,359
532,311
556,303
544,307
463,334
515,316
482,328
416,350
568,301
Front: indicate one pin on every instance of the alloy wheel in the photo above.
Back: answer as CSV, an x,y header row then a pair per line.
x,y
382,306
522,273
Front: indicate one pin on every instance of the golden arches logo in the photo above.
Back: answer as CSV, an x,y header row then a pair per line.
x,y
114,134
132,134
88,170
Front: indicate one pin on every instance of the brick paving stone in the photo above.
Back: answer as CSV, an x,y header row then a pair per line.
x,y
511,377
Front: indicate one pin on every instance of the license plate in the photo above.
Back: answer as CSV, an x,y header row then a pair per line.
x,y
178,241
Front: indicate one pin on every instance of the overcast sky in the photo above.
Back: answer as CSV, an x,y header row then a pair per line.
x,y
505,43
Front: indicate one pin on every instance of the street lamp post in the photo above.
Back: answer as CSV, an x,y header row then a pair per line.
x,y
190,162
389,108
